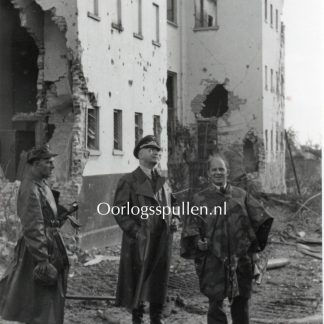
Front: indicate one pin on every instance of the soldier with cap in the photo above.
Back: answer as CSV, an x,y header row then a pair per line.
x,y
32,289
146,243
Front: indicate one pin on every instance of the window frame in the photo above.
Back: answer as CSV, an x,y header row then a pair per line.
x,y
157,127
118,118
96,146
119,23
174,10
266,10
139,33
95,12
201,26
266,77
156,41
138,126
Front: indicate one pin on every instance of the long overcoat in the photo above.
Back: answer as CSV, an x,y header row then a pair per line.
x,y
21,298
238,227
145,256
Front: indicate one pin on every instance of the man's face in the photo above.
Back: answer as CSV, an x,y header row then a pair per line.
x,y
149,155
44,167
218,172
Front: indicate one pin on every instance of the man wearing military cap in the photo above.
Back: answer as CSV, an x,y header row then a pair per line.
x,y
146,243
33,287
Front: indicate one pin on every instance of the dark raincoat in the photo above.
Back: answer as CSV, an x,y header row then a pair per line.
x,y
21,298
146,244
225,269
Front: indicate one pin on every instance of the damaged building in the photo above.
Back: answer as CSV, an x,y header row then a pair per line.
x,y
226,64
91,77
88,78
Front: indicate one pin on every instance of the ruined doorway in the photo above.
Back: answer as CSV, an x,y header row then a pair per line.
x,y
18,89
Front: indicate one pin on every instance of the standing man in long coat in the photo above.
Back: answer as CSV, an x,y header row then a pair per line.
x,y
33,287
146,242
224,241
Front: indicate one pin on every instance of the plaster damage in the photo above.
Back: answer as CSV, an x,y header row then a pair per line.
x,y
55,114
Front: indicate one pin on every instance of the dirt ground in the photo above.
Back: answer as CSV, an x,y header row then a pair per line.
x,y
294,291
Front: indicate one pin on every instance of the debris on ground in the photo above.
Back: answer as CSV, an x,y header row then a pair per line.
x,y
277,263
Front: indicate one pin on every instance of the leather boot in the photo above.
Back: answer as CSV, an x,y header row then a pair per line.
x,y
137,314
156,313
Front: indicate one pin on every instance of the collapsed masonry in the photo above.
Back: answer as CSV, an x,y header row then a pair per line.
x,y
44,97
214,132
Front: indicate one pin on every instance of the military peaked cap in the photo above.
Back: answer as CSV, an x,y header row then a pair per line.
x,y
146,142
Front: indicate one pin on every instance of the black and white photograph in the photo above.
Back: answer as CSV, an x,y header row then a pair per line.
x,y
161,161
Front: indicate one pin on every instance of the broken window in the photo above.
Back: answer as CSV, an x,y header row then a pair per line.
x,y
271,15
118,140
138,18
250,156
156,9
171,11
266,10
157,127
117,15
216,103
266,77
205,13
93,128
138,127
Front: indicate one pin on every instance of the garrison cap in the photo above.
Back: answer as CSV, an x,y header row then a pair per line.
x,y
145,142
39,153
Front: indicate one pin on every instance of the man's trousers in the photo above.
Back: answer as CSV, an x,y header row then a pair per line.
x,y
239,311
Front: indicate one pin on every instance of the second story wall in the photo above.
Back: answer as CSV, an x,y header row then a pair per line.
x,y
123,54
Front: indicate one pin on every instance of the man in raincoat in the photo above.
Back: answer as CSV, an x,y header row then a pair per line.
x,y
33,287
224,241
146,243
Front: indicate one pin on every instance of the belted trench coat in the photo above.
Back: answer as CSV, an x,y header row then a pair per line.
x,y
145,252
21,297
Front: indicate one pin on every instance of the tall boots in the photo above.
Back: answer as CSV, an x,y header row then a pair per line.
x,y
137,314
155,314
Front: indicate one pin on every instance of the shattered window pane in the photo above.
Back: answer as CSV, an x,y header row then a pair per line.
x,y
205,13
92,129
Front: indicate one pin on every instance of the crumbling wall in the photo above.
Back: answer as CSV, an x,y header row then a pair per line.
x,y
62,98
222,126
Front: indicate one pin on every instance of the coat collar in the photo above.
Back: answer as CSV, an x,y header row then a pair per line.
x,y
144,186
